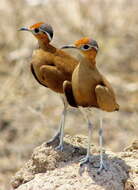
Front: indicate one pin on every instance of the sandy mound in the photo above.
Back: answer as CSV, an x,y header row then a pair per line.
x,y
49,169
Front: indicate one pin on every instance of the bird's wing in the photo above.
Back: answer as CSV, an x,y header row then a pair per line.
x,y
35,76
64,62
106,98
67,88
52,77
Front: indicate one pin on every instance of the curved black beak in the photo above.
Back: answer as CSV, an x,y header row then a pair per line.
x,y
68,46
23,29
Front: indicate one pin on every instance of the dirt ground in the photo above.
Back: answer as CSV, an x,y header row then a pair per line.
x,y
30,113
56,170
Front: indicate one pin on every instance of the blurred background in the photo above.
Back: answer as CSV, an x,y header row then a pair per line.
x,y
30,113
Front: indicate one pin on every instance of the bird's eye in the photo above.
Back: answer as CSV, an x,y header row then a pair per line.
x,y
86,47
36,30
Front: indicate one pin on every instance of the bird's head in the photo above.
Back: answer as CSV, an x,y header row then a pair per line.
x,y
42,31
87,46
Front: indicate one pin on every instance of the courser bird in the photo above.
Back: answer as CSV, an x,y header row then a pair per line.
x,y
51,67
89,88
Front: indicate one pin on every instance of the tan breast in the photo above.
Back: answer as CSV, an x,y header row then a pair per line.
x,y
84,80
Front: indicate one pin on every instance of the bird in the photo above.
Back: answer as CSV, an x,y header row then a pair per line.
x,y
51,66
89,89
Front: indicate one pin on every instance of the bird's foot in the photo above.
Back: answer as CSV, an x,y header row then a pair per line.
x,y
84,160
59,148
54,140
101,167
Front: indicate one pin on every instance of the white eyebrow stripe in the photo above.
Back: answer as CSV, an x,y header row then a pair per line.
x,y
49,37
95,47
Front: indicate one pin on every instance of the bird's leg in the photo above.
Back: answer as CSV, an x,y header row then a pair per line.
x,y
62,124
86,159
56,138
102,165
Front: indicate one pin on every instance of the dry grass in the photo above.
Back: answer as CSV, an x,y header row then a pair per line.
x,y
29,112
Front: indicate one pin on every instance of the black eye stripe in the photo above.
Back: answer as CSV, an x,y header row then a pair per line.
x,y
43,32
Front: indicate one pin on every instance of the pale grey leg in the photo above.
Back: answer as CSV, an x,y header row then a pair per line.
x,y
86,159
63,117
57,136
102,165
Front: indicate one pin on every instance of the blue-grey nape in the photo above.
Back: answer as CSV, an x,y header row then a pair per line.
x,y
48,28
